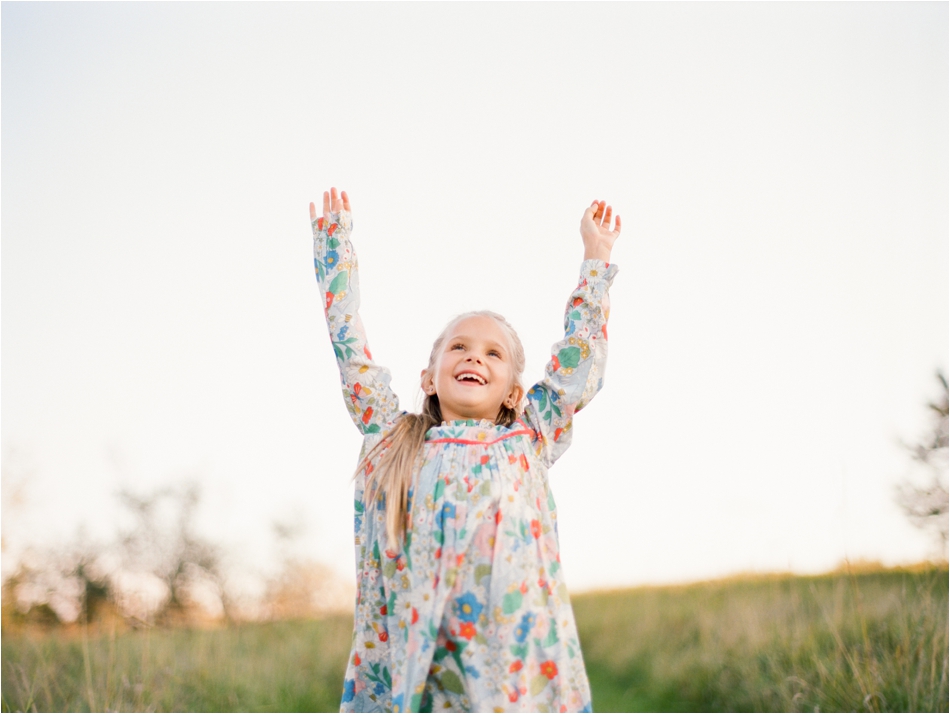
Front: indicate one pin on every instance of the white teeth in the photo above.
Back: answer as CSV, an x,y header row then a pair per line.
x,y
470,375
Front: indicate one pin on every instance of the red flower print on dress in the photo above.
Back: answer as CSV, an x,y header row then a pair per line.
x,y
549,669
332,229
536,528
367,415
467,630
515,666
383,636
320,222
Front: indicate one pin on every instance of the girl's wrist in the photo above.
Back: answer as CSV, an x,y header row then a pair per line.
x,y
597,254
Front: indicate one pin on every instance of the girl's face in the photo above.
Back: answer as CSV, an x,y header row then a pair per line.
x,y
473,372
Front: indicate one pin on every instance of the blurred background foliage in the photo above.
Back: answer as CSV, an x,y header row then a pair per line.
x,y
160,618
159,571
923,494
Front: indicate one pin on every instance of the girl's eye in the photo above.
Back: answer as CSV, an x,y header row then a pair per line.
x,y
495,352
458,346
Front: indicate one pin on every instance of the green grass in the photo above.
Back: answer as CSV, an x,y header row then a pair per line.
x,y
283,666
872,641
875,641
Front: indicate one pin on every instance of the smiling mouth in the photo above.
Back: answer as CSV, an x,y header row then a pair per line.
x,y
471,378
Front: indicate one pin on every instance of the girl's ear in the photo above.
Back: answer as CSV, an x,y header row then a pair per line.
x,y
514,396
428,386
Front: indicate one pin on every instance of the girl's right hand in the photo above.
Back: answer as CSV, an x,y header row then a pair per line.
x,y
332,202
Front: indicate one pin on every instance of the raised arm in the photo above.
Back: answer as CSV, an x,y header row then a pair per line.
x,y
371,403
575,372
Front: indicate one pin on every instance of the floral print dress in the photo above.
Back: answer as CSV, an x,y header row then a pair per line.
x,y
472,614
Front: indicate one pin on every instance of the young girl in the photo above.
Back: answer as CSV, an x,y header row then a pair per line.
x,y
461,601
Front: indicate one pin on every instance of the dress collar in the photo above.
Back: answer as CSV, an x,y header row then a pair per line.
x,y
483,423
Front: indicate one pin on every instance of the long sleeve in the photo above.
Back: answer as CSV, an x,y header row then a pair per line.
x,y
575,372
369,399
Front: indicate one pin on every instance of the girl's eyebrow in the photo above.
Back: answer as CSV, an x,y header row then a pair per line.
x,y
467,338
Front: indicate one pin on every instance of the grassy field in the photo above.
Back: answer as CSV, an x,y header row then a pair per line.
x,y
875,641
871,641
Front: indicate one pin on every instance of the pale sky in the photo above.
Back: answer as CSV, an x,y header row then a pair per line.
x,y
780,311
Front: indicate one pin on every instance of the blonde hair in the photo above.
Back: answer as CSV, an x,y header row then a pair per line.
x,y
402,446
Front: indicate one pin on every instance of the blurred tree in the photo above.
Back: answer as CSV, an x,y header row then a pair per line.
x,y
158,569
926,505
58,584
163,545
302,588
95,584
18,611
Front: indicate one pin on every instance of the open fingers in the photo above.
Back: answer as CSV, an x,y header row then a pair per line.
x,y
599,212
346,201
313,212
336,204
326,205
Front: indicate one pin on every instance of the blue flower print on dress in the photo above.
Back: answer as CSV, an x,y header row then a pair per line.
x,y
447,512
468,607
397,703
524,627
349,690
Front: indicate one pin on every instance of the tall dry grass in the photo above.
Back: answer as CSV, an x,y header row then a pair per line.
x,y
282,666
847,641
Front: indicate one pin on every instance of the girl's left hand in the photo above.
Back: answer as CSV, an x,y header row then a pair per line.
x,y
596,233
